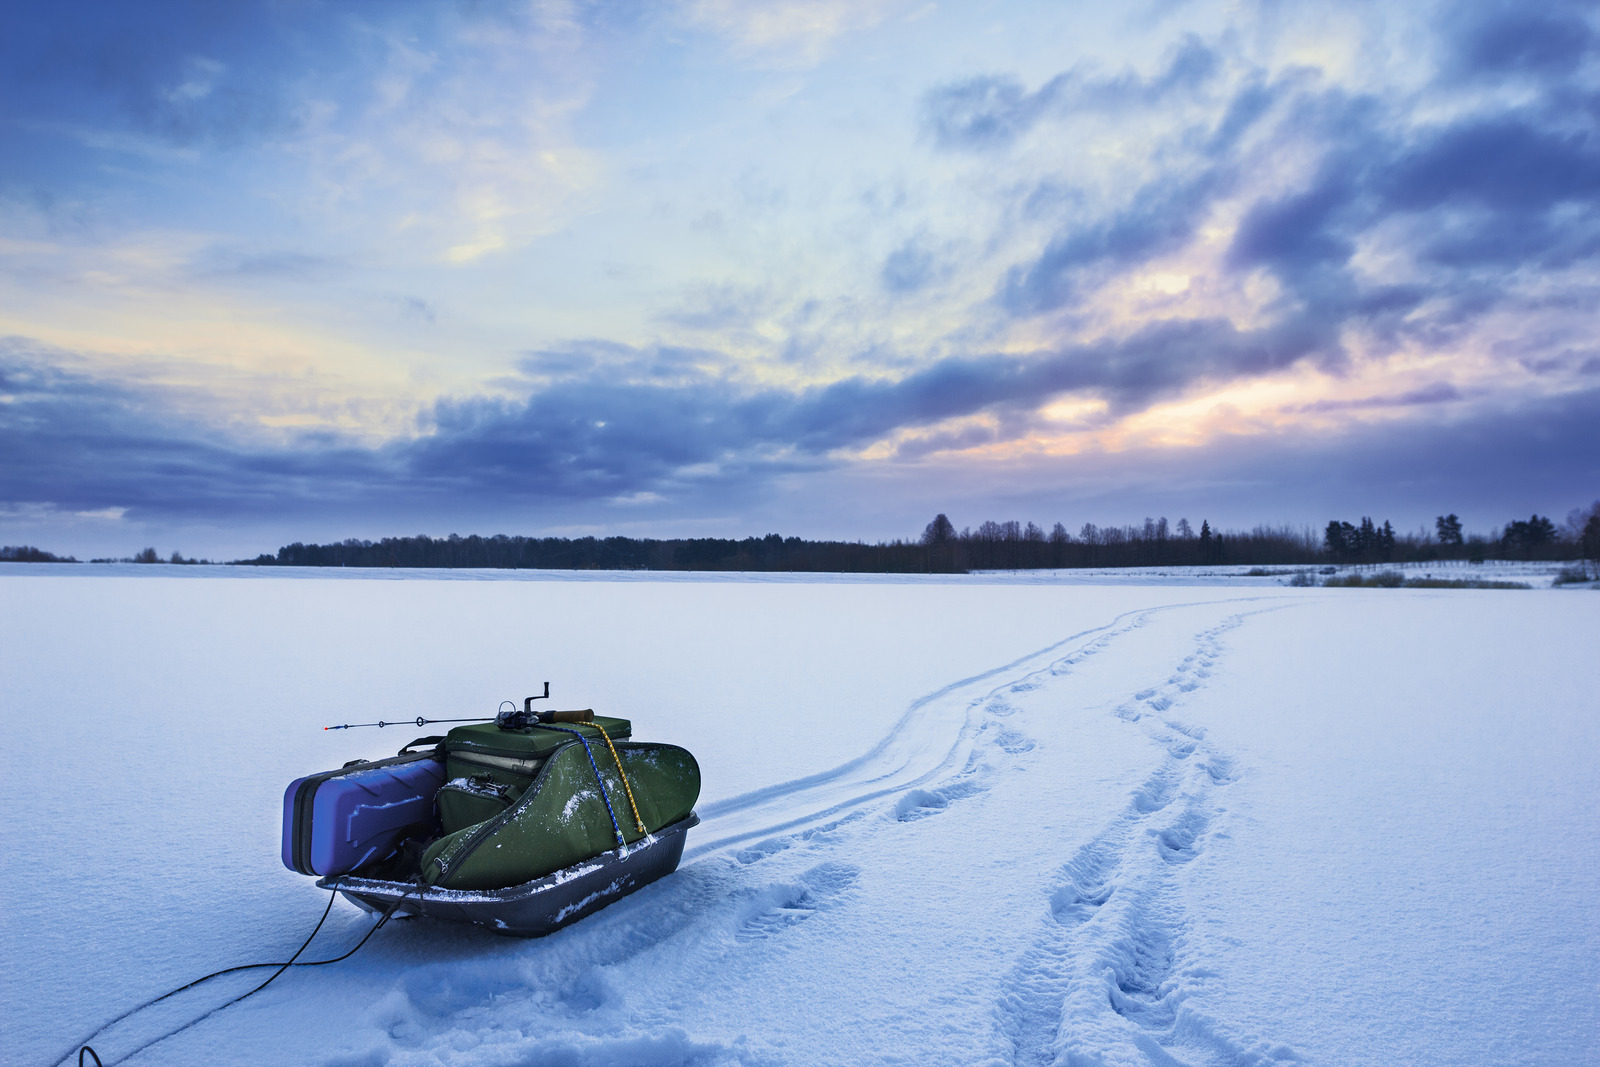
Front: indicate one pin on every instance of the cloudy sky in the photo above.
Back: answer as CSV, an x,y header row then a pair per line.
x,y
300,271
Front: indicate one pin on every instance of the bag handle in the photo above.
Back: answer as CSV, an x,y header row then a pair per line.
x,y
431,739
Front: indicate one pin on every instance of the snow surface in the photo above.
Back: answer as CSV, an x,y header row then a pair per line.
x,y
1204,819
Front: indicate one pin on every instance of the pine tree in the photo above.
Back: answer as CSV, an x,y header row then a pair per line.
x,y
1334,539
1366,539
1589,542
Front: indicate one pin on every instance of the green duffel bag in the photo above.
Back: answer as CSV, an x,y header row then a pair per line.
x,y
468,800
561,817
513,757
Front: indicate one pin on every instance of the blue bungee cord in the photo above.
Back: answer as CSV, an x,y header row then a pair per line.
x,y
616,827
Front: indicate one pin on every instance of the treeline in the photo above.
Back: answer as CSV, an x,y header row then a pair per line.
x,y
150,555
942,549
1534,538
29,554
1155,543
769,553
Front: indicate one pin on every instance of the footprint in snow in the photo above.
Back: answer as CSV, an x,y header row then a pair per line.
x,y
1064,666
1180,842
1156,793
1086,882
1071,904
778,907
1142,967
761,850
784,911
1013,741
920,803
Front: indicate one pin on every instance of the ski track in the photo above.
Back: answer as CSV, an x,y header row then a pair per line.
x,y
1106,977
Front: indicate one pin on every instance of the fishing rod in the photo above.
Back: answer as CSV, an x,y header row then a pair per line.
x,y
419,721
513,719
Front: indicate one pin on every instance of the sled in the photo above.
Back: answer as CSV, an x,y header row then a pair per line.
x,y
521,825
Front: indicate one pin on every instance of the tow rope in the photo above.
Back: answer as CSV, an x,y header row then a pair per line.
x,y
83,1047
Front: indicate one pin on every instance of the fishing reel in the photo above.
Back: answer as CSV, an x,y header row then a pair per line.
x,y
515,718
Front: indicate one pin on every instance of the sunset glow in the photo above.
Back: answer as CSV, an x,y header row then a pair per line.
x,y
273,271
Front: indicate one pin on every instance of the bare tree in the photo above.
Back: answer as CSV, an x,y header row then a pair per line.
x,y
939,531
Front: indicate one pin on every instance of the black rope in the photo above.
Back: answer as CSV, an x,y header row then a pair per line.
x,y
83,1046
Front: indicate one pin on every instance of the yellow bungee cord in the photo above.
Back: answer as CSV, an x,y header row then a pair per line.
x,y
628,788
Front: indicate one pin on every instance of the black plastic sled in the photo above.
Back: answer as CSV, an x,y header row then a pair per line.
x,y
534,908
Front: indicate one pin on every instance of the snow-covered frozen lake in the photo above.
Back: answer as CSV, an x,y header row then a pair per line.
x,y
1192,818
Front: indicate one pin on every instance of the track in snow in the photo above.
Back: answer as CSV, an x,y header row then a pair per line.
x,y
1111,966
930,744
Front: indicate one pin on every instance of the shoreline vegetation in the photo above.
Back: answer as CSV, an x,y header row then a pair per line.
x,y
29,554
991,546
